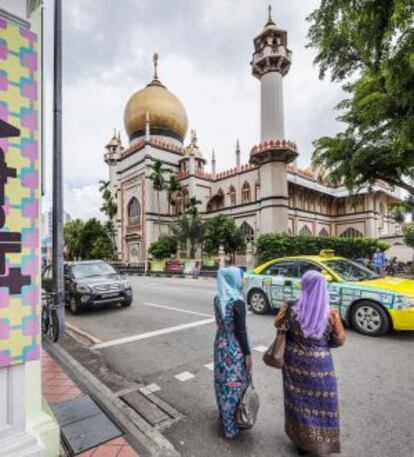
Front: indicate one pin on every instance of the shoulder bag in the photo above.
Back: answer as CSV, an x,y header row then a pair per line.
x,y
275,355
248,408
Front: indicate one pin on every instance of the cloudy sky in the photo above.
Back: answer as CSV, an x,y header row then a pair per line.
x,y
205,47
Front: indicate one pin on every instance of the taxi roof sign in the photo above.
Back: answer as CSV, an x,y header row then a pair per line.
x,y
327,253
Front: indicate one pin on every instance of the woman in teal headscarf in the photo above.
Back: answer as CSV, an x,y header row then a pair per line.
x,y
232,355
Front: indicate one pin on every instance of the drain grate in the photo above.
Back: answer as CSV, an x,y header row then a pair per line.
x,y
83,424
152,413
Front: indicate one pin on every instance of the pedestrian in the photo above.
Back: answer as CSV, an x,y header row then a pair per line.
x,y
379,261
232,354
309,382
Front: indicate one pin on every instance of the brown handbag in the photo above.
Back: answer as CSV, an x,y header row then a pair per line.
x,y
275,355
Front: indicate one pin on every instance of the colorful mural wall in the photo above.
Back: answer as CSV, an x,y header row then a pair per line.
x,y
19,195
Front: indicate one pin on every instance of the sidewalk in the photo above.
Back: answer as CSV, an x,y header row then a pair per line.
x,y
57,387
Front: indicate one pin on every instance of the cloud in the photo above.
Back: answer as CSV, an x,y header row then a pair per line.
x,y
205,48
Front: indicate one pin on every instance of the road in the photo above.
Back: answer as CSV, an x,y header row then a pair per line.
x,y
165,340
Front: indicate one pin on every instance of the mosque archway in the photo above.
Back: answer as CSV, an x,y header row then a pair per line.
x,y
134,212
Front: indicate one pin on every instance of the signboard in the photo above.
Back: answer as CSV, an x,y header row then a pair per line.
x,y
19,195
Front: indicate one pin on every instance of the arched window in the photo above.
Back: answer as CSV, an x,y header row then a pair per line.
x,y
232,196
351,233
247,231
305,231
324,232
134,212
246,193
179,205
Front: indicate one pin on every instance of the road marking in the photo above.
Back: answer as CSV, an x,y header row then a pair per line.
x,y
260,349
150,389
144,336
179,310
209,366
184,376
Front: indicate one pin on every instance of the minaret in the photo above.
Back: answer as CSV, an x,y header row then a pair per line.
x,y
238,163
213,164
270,63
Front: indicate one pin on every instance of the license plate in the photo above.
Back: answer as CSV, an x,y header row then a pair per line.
x,y
109,295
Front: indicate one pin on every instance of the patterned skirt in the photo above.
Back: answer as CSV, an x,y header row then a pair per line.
x,y
230,379
311,397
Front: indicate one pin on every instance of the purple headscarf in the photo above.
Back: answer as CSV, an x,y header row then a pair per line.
x,y
312,307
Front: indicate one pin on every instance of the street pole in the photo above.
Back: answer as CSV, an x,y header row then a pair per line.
x,y
57,215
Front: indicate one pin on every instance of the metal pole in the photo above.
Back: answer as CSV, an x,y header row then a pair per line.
x,y
58,282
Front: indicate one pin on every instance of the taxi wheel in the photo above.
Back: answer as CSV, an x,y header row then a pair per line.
x,y
369,318
258,302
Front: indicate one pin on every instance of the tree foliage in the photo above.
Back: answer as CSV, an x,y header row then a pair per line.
x,y
408,231
222,230
368,45
163,248
159,183
188,229
87,240
275,245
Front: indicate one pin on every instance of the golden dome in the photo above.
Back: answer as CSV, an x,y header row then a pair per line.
x,y
165,110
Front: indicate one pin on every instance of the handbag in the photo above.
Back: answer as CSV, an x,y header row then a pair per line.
x,y
275,355
248,408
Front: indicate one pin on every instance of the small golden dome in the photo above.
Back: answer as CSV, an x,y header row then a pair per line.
x,y
165,110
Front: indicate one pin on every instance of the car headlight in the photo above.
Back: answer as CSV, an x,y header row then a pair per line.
x,y
125,284
83,288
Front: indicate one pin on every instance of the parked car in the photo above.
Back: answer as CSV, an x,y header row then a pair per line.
x,y
369,303
90,284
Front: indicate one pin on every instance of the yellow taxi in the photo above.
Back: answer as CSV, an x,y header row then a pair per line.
x,y
369,303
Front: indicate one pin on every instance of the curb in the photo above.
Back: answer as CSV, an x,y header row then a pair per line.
x,y
80,335
144,438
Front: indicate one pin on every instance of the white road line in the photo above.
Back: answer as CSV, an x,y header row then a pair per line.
x,y
144,336
184,376
260,349
209,366
150,389
179,310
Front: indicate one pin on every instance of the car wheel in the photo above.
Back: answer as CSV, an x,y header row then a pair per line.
x,y
126,303
74,306
369,318
258,302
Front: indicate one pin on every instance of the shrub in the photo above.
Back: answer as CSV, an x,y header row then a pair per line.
x,y
275,245
163,248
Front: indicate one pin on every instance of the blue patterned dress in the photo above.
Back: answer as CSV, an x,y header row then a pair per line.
x,y
309,385
230,375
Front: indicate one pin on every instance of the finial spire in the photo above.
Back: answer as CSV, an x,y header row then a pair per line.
x,y
193,137
155,60
270,19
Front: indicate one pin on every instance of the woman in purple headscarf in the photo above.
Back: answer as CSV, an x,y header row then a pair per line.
x,y
309,382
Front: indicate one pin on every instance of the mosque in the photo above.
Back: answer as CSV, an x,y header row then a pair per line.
x,y
268,194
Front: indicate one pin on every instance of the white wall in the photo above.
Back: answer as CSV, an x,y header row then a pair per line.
x,y
16,7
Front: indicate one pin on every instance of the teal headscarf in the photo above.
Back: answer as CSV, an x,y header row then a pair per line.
x,y
229,287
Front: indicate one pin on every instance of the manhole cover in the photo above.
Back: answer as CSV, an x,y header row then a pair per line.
x,y
83,424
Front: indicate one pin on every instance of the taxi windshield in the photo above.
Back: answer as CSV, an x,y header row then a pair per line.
x,y
350,271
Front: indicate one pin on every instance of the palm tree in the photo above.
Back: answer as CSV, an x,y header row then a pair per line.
x,y
188,228
158,184
191,206
173,186
109,208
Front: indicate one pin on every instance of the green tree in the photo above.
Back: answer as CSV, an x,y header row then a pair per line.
x,y
191,207
72,234
368,45
95,240
222,230
158,184
110,209
163,248
173,186
188,228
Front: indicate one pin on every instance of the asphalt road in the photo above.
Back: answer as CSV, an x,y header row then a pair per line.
x,y
169,331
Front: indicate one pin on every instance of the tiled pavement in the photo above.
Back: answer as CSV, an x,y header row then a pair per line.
x,y
57,387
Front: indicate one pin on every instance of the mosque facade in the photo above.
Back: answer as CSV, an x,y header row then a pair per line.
x,y
266,195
